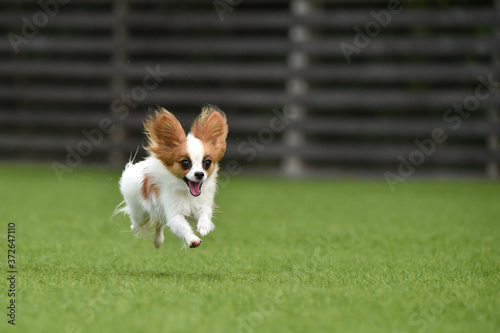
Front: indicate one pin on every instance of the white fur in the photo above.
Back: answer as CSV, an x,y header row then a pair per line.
x,y
196,152
175,204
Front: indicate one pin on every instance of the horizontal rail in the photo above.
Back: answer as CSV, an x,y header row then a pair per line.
x,y
268,72
268,19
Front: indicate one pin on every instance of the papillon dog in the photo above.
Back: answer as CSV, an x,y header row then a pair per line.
x,y
176,183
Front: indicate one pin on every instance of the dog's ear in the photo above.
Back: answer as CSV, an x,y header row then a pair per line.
x,y
164,131
211,127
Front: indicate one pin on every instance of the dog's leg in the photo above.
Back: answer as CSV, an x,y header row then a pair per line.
x,y
159,238
205,224
137,217
181,228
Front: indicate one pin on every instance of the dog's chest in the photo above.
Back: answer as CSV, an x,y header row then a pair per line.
x,y
189,207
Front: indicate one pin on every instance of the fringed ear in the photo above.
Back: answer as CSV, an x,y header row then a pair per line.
x,y
164,132
211,127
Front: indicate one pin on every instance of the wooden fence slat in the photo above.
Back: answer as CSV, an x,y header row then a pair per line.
x,y
471,128
81,119
408,18
374,99
429,46
86,45
374,153
338,19
58,144
338,99
47,69
394,127
12,20
389,72
409,46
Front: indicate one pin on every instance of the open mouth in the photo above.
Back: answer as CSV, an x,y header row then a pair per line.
x,y
194,187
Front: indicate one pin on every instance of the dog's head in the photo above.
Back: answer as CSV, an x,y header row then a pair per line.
x,y
192,158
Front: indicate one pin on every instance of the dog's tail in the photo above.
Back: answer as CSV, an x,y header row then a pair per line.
x,y
121,208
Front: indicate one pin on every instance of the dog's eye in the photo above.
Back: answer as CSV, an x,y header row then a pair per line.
x,y
207,163
186,164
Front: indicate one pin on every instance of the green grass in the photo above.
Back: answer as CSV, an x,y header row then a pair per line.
x,y
286,256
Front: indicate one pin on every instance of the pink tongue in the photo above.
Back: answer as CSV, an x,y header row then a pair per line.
x,y
194,188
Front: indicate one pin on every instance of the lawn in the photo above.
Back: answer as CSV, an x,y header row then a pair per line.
x,y
286,256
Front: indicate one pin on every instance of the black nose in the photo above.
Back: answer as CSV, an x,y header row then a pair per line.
x,y
199,175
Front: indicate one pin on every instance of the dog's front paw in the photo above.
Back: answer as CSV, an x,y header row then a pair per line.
x,y
195,243
205,227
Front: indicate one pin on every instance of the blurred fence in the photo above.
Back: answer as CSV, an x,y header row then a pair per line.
x,y
313,88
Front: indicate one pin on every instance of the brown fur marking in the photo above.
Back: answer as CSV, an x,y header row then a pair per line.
x,y
148,188
177,155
